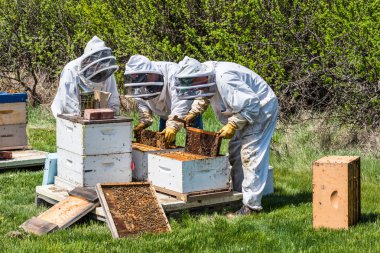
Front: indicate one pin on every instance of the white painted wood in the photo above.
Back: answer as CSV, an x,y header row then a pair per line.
x,y
13,135
94,139
87,171
189,176
12,113
141,162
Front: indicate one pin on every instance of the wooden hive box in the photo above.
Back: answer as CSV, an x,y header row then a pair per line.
x,y
336,192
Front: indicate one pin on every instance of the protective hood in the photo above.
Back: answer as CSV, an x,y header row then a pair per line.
x,y
187,83
140,64
97,63
137,82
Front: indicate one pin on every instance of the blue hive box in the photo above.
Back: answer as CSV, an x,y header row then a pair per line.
x,y
13,97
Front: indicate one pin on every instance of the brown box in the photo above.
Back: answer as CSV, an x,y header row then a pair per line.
x,y
202,142
336,192
12,113
98,114
13,137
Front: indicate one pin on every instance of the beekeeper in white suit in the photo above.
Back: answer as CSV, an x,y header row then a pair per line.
x,y
247,106
92,71
151,83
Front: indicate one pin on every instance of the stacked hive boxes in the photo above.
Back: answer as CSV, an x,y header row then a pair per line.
x,y
13,119
336,192
91,152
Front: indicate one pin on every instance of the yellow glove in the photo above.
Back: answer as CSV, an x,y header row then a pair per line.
x,y
140,126
228,131
170,134
190,118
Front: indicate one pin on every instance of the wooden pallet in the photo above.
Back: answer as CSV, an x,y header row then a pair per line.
x,y
52,194
24,159
79,202
195,196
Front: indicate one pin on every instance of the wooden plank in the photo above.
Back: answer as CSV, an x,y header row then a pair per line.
x,y
85,193
12,113
132,208
24,158
68,211
195,196
38,226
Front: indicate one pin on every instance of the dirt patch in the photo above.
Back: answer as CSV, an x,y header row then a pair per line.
x,y
135,209
202,142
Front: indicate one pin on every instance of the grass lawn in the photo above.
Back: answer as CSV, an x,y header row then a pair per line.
x,y
285,226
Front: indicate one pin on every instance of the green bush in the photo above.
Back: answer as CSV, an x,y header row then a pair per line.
x,y
317,55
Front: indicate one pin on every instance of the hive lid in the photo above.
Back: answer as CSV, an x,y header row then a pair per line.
x,y
337,159
81,120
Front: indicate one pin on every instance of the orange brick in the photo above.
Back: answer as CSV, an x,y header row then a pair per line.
x,y
336,192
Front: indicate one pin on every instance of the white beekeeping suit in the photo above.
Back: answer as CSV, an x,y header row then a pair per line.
x,y
93,71
157,97
244,102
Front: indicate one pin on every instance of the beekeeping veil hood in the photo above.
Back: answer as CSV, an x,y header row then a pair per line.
x,y
186,84
97,63
138,81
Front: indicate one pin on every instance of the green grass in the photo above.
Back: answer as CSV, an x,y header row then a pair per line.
x,y
285,226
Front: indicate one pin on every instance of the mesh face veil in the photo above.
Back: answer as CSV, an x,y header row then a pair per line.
x,y
98,66
143,84
195,85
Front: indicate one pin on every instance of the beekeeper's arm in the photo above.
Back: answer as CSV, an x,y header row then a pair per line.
x,y
66,100
114,101
145,115
241,101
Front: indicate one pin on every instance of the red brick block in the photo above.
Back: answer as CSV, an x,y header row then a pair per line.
x,y
98,114
92,114
5,155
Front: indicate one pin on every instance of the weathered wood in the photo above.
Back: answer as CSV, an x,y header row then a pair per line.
x,y
38,226
85,193
62,215
13,113
54,194
23,159
12,136
195,196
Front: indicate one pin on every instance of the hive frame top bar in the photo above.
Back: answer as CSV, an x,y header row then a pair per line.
x,y
81,120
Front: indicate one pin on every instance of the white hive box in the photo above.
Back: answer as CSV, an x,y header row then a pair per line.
x,y
105,137
184,172
91,152
87,171
13,136
140,154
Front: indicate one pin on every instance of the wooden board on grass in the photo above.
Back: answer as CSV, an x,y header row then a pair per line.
x,y
131,209
64,213
23,159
